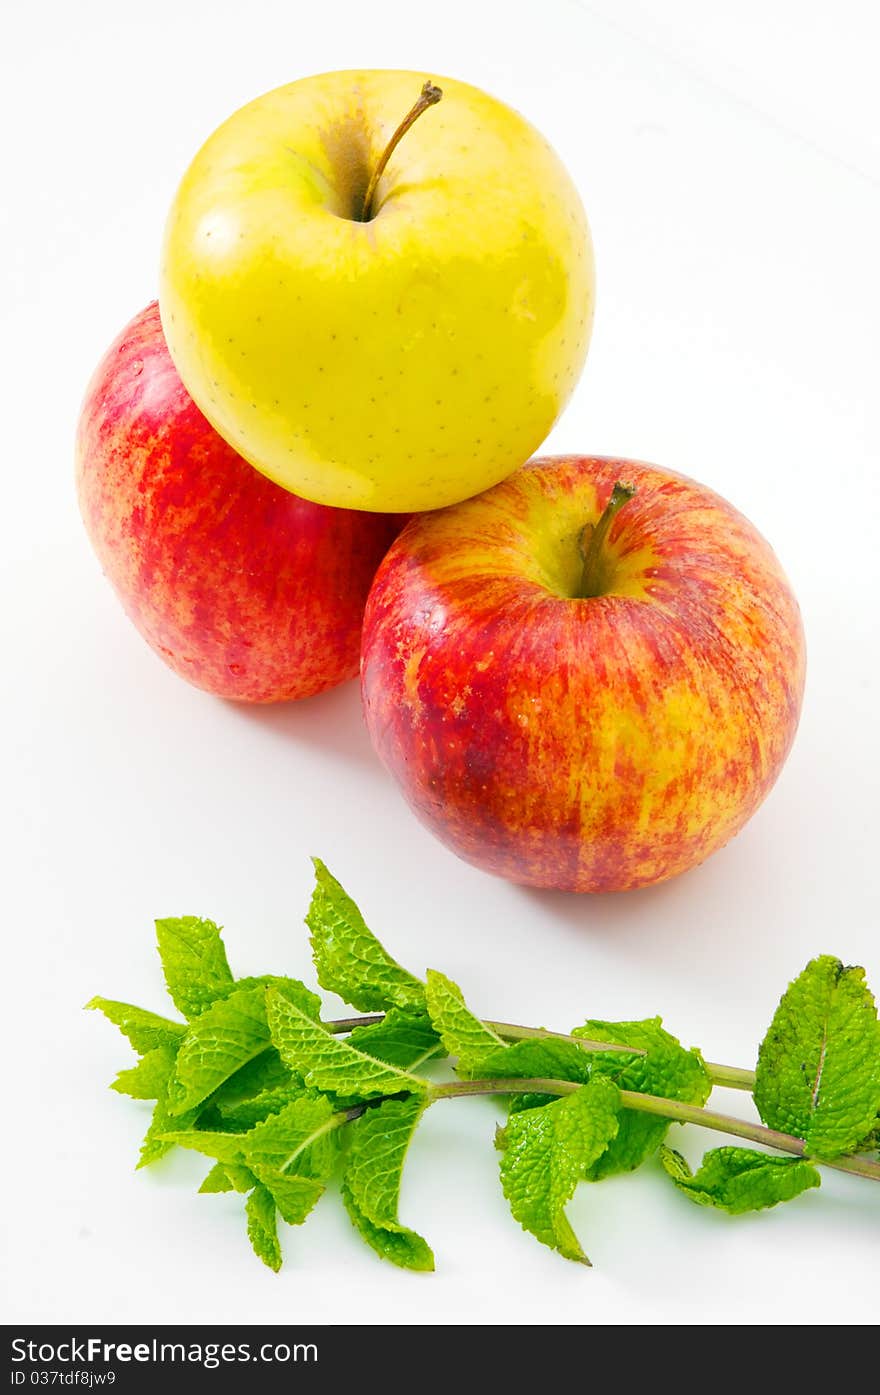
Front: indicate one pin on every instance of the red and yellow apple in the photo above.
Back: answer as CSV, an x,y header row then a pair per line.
x,y
584,737
241,587
395,351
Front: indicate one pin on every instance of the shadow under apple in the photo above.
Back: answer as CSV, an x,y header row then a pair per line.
x,y
332,721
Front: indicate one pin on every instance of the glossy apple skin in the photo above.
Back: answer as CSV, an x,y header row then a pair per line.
x,y
397,364
586,745
241,587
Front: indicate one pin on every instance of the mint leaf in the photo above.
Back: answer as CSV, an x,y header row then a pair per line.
x,y
292,1154
307,1001
328,1063
818,1073
223,1043
303,1137
242,1179
217,1180
294,1196
155,1145
737,1180
545,1057
148,1080
194,962
228,1177
145,1030
349,959
463,1035
547,1151
371,1185
404,1038
214,1143
222,1039
246,1113
667,1069
262,1227
265,1072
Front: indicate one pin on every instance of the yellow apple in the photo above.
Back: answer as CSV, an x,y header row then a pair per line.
x,y
398,356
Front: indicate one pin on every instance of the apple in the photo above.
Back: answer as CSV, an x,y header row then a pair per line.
x,y
394,343
241,587
579,689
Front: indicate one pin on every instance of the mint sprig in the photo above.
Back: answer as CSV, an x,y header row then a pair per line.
x,y
349,960
281,1102
819,1065
737,1180
547,1151
194,963
371,1181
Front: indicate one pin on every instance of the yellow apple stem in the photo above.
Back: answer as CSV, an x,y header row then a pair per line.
x,y
592,541
429,97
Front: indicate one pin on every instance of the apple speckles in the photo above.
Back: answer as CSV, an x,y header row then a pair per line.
x,y
151,473
565,744
423,259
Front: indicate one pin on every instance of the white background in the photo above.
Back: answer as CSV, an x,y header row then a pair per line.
x,y
728,156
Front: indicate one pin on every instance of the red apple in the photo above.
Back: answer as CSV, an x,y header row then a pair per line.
x,y
241,587
590,718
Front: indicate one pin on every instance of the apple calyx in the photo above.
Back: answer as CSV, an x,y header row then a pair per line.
x,y
594,577
430,95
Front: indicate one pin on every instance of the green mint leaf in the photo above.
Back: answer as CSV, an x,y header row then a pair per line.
x,y
546,1152
145,1030
246,1113
222,1039
262,1227
222,1045
463,1035
328,1063
214,1143
228,1177
307,1001
668,1069
194,963
148,1080
155,1144
349,959
303,1138
217,1180
241,1177
264,1073
294,1196
404,1038
737,1180
818,1073
371,1185
545,1057
292,1154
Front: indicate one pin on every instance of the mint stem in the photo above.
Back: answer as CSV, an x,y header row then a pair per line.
x,y
733,1077
503,1029
348,1024
674,1110
515,1033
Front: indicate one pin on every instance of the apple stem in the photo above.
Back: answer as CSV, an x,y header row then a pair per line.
x,y
592,541
429,97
